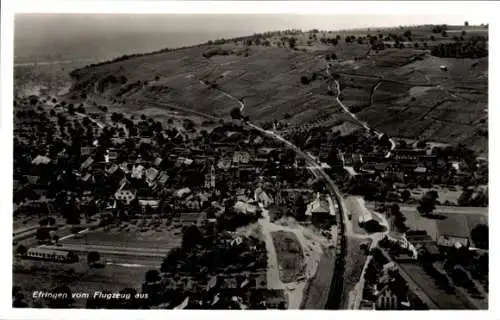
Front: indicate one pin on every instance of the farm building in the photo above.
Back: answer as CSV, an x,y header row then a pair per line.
x,y
52,255
319,209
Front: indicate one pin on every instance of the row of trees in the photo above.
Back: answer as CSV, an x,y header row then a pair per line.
x,y
473,48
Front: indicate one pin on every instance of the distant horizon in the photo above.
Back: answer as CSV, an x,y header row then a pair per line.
x,y
43,38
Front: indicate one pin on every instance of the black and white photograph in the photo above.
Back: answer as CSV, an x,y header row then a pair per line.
x,y
244,161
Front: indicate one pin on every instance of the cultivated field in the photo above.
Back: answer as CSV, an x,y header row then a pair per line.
x,y
444,300
400,91
290,255
131,235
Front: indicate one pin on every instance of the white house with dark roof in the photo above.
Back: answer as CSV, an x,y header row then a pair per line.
x,y
137,172
41,160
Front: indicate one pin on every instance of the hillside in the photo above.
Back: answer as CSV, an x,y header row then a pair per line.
x,y
390,78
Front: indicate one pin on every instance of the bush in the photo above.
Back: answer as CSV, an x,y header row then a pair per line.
x,y
474,48
21,250
304,80
235,113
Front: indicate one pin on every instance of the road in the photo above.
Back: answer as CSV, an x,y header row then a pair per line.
x,y
441,209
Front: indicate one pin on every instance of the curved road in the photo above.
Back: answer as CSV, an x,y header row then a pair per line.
x,y
352,115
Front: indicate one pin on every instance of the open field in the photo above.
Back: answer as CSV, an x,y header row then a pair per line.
x,y
44,276
290,255
444,300
449,220
354,262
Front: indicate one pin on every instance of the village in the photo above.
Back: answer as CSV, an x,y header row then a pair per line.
x,y
102,184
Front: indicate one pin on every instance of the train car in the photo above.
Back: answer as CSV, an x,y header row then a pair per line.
x,y
54,255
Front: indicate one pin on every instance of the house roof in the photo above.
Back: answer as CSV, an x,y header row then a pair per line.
x,y
184,161
420,170
163,177
431,248
87,163
319,205
380,166
183,191
158,161
41,160
151,174
151,203
112,169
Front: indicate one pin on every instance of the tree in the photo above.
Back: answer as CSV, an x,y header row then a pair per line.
x,y
236,113
191,237
300,207
21,250
465,197
428,202
292,42
152,276
466,23
304,80
44,222
42,234
433,38
80,109
93,257
405,195
71,108
480,236
463,33
318,186
18,300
